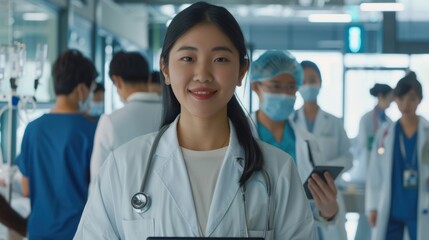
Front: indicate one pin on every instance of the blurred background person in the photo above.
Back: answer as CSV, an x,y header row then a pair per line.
x,y
56,151
397,189
374,119
141,113
328,129
276,77
96,107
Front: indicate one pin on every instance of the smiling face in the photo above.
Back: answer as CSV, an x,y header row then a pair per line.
x,y
203,71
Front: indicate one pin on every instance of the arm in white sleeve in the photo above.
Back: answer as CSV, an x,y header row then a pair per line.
x,y
103,145
294,211
98,219
335,227
373,181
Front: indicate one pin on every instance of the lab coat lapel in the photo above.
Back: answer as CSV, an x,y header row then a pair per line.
x,y
423,130
321,127
170,167
299,118
227,184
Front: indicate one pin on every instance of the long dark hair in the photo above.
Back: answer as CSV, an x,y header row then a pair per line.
x,y
197,13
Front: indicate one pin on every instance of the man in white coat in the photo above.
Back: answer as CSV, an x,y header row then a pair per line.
x,y
141,114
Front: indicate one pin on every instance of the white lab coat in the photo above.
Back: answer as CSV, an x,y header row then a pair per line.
x,y
335,228
378,186
109,215
367,129
140,115
331,136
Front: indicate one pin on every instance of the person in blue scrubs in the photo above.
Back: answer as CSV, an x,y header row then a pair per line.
x,y
56,151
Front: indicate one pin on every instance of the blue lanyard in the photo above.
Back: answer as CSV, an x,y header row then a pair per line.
x,y
404,152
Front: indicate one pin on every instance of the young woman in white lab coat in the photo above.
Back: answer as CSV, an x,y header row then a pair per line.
x,y
208,176
374,120
328,129
276,76
397,188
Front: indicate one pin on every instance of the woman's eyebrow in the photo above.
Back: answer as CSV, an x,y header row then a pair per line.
x,y
218,48
222,48
186,48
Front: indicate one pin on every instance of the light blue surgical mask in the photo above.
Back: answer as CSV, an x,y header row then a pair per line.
x,y
85,104
309,92
96,109
278,106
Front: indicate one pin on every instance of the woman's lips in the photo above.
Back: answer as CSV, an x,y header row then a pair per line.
x,y
202,93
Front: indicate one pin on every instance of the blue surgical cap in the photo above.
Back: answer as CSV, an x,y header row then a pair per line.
x,y
273,63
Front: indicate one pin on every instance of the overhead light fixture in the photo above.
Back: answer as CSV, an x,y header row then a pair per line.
x,y
330,18
35,16
382,7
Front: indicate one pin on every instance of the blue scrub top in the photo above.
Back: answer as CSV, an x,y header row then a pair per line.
x,y
287,143
55,157
404,201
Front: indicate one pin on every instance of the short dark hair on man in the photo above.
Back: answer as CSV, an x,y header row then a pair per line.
x,y
156,77
408,83
70,69
132,67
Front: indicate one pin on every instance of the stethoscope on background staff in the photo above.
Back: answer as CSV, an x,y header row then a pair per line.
x,y
141,201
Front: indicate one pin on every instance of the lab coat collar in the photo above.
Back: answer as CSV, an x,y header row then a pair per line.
x,y
170,167
144,96
299,118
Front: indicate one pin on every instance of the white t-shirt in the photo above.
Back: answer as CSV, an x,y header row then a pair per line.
x,y
203,170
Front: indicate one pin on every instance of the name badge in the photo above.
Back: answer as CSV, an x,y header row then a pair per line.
x,y
410,178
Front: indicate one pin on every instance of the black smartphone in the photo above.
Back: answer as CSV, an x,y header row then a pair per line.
x,y
333,170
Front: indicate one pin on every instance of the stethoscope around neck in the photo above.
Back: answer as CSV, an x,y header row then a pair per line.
x,y
141,201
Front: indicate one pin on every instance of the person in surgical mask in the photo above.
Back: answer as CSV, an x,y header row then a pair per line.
x,y
96,107
328,129
56,151
276,77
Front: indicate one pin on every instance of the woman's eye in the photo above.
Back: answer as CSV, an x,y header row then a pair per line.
x,y
186,59
221,59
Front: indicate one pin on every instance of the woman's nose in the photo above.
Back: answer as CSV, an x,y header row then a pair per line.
x,y
203,72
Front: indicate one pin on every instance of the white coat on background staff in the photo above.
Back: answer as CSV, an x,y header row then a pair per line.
x,y
335,228
329,132
378,187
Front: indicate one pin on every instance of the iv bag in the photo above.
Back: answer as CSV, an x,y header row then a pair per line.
x,y
41,54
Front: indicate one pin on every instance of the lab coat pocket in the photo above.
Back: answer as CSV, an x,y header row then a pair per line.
x,y
252,233
138,229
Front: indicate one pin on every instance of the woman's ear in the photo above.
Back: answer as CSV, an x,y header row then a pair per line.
x,y
243,70
164,71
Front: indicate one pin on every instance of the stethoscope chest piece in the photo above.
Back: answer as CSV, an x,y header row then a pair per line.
x,y
140,202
